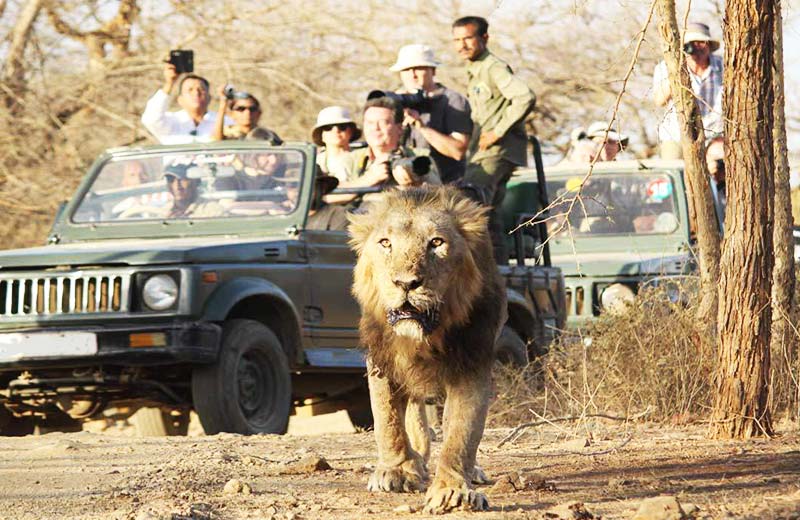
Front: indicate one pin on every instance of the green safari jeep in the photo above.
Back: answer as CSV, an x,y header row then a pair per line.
x,y
629,231
185,278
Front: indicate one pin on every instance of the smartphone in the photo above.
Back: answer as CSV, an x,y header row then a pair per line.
x,y
182,59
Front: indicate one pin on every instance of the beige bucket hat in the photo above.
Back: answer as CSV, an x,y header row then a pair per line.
x,y
415,55
700,32
598,129
333,116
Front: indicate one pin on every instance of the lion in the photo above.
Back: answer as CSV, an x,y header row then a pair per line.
x,y
432,303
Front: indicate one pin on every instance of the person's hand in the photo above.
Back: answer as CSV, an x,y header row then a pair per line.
x,y
223,100
378,172
170,76
403,177
487,139
412,118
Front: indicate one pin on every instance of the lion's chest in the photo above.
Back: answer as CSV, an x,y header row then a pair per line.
x,y
414,369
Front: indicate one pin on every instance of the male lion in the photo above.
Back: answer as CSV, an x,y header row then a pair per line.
x,y
432,305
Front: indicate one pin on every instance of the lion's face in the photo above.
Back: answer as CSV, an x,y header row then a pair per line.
x,y
416,269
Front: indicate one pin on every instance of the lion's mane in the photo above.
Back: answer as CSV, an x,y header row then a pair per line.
x,y
471,302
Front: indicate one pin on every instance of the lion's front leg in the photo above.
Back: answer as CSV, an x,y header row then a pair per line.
x,y
465,409
399,467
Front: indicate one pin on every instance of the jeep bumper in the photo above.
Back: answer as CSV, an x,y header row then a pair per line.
x,y
173,343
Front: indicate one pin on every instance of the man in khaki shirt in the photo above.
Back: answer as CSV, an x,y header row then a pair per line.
x,y
500,101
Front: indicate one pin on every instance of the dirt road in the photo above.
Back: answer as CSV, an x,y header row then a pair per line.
x,y
609,468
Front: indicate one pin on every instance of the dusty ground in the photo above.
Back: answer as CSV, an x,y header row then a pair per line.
x,y
608,467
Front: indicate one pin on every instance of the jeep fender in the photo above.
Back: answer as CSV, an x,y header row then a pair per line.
x,y
260,300
521,315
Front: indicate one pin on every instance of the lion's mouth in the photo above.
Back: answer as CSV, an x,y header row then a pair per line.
x,y
427,319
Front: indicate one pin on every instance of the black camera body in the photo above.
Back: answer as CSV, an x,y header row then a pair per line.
x,y
182,59
689,48
416,100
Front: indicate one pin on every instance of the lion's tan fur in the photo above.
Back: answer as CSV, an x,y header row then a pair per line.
x,y
428,249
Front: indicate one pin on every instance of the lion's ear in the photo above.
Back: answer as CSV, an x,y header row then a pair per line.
x,y
472,218
360,228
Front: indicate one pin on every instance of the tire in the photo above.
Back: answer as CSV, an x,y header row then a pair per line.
x,y
248,390
154,422
11,426
510,349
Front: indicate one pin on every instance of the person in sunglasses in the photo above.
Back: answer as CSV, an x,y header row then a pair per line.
x,y
334,131
245,110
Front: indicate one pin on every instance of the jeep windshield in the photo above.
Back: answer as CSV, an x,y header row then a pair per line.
x,y
625,204
193,186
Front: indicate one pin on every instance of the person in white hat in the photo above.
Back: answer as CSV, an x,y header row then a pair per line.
x,y
705,72
335,130
608,145
444,124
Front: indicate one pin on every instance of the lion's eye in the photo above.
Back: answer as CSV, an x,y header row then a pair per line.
x,y
385,242
436,242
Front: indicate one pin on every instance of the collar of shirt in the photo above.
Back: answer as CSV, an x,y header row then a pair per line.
x,y
474,67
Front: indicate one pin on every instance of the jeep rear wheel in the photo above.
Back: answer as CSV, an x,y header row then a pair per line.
x,y
248,390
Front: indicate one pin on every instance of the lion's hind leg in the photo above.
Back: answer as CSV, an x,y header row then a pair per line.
x,y
399,468
465,409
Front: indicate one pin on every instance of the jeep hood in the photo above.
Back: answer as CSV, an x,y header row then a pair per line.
x,y
625,264
149,252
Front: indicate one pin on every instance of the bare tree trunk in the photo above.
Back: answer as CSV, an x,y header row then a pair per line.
x,y
701,203
14,68
783,278
745,315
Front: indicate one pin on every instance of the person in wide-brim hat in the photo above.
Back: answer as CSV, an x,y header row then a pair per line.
x,y
610,142
330,117
700,32
335,130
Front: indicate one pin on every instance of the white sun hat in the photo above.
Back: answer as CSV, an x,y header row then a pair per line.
x,y
334,115
415,55
598,129
699,32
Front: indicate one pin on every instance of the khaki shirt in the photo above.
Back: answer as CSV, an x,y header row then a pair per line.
x,y
500,101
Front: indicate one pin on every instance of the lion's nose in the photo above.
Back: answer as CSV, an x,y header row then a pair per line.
x,y
407,283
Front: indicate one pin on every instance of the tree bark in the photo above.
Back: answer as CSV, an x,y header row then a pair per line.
x,y
745,314
13,75
783,276
701,202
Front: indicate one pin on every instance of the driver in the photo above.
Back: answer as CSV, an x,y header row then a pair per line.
x,y
185,192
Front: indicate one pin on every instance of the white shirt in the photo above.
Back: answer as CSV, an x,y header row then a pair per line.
x,y
708,93
176,127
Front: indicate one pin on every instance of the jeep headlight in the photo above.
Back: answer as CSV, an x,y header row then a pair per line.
x,y
616,297
160,292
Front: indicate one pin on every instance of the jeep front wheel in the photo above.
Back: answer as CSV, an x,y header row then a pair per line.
x,y
248,390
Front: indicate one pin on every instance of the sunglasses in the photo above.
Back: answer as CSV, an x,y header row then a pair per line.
x,y
339,126
250,108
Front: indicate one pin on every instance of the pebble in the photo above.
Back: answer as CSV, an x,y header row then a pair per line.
x,y
569,511
232,487
660,508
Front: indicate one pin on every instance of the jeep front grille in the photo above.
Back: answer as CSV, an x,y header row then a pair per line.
x,y
64,294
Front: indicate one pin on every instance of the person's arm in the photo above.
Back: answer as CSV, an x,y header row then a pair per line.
x,y
522,102
453,145
373,176
154,117
662,92
219,123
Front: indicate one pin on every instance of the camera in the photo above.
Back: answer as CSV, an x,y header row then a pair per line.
x,y
419,166
229,91
689,48
182,59
416,100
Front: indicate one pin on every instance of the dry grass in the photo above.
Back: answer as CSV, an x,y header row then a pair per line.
x,y
653,357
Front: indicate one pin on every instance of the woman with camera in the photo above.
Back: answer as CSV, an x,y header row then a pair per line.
x,y
245,110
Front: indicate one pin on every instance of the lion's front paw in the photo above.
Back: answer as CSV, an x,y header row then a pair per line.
x,y
405,478
441,499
